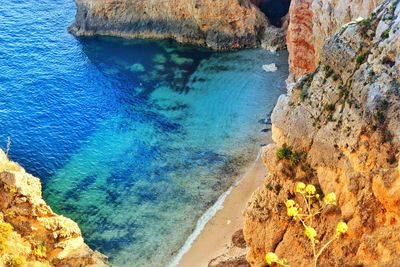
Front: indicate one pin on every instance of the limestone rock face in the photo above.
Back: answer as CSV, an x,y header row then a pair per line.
x,y
312,22
42,238
300,37
345,118
220,25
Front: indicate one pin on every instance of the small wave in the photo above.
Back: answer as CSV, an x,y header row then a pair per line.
x,y
207,216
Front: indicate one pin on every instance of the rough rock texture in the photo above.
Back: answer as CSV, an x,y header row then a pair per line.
x,y
345,117
232,262
31,234
221,25
299,38
312,22
238,239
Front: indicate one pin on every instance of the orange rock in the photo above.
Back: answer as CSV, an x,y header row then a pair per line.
x,y
311,22
35,225
352,148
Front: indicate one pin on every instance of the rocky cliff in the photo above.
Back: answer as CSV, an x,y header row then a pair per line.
x,y
31,234
220,25
341,129
312,22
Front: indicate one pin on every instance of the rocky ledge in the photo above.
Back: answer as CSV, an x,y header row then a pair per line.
x,y
31,234
341,124
220,25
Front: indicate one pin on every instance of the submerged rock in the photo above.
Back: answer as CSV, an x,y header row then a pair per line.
x,y
137,67
160,59
178,60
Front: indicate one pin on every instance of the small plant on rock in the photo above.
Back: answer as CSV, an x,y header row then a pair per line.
x,y
313,206
283,152
385,34
329,107
360,59
303,95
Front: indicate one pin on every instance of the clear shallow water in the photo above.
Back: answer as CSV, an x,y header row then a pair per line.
x,y
132,139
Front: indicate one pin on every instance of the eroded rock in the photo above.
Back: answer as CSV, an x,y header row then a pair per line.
x,y
39,237
221,25
345,117
312,22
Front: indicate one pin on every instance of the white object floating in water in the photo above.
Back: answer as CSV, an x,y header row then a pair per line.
x,y
270,67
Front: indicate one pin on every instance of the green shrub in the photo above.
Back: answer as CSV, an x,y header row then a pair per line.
x,y
283,152
303,95
329,107
295,158
360,59
385,34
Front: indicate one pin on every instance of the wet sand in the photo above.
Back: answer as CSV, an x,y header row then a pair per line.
x,y
215,239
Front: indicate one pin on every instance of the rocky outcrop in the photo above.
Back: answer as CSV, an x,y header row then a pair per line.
x,y
299,38
312,22
343,123
220,25
31,234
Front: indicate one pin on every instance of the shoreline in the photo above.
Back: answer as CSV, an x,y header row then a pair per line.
x,y
212,236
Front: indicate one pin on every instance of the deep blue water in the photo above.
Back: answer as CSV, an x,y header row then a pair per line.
x,y
133,139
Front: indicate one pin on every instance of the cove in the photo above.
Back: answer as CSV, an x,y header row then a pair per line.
x,y
132,139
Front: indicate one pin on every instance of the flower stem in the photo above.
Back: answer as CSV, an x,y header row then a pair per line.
x,y
323,248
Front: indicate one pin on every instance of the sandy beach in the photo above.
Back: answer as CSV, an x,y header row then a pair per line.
x,y
215,239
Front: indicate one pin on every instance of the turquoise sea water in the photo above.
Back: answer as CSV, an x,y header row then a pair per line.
x,y
133,139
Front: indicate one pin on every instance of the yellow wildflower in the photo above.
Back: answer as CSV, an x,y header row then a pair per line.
x,y
300,187
330,199
341,228
310,189
290,203
292,211
271,258
310,232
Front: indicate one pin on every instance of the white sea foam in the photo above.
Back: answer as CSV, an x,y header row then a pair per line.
x,y
206,217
